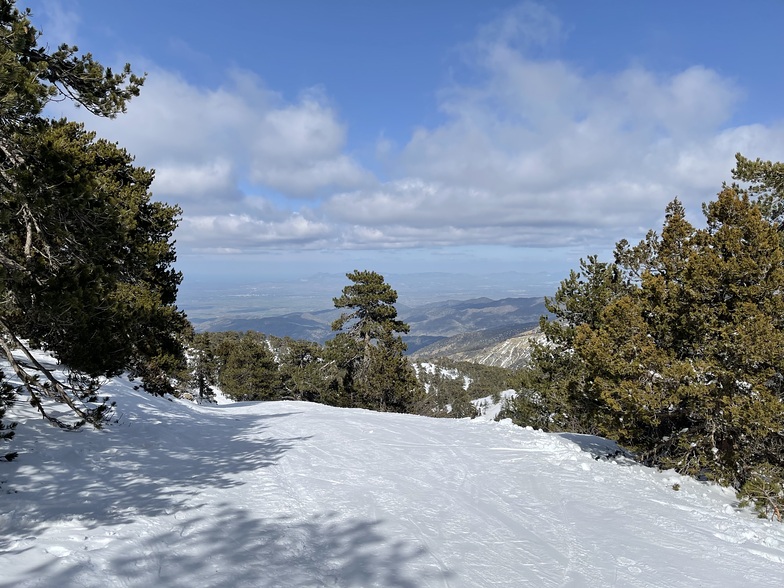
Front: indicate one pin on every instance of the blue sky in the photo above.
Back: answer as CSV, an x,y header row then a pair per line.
x,y
444,135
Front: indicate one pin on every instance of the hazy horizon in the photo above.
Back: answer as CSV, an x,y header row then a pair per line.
x,y
260,296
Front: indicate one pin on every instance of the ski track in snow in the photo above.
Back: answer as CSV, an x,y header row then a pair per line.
x,y
288,494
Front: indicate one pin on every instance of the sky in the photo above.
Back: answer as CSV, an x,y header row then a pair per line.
x,y
450,135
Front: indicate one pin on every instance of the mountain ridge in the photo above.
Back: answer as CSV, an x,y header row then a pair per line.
x,y
430,323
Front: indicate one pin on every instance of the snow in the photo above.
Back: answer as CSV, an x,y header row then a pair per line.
x,y
488,409
291,494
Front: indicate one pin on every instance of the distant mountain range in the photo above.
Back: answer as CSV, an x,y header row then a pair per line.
x,y
494,332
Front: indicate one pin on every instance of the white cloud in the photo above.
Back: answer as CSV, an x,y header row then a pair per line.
x,y
190,181
540,153
523,26
418,212
243,232
307,130
292,148
533,152
298,150
221,153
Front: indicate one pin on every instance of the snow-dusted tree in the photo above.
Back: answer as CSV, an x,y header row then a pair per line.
x,y
766,185
304,375
203,365
7,396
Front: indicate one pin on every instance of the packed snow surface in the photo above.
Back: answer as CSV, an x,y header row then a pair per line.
x,y
285,494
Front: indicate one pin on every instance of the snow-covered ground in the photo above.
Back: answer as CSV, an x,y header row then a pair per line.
x,y
286,494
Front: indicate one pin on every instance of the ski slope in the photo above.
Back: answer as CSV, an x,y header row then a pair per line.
x,y
290,494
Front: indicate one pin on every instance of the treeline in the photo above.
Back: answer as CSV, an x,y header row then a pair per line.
x,y
362,366
252,366
676,348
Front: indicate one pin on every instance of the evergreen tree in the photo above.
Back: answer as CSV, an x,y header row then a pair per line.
x,y
766,179
344,354
203,365
682,360
556,391
697,348
248,370
376,374
389,378
7,397
304,373
452,385
85,255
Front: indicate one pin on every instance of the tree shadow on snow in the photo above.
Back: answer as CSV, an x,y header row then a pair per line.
x,y
233,548
164,459
601,448
135,468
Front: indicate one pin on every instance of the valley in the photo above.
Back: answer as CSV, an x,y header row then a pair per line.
x,y
481,329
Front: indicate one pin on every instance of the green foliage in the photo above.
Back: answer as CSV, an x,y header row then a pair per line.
x,y
32,76
452,385
446,390
203,365
675,350
304,374
253,366
765,491
373,371
85,255
766,179
556,391
374,315
7,397
247,368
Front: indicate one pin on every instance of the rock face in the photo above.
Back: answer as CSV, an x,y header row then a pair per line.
x,y
513,353
496,348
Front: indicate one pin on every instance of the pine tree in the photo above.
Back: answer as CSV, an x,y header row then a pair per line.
x,y
682,362
558,392
370,351
304,373
248,370
203,365
7,431
766,179
85,255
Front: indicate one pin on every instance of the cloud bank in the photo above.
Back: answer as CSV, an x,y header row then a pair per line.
x,y
532,152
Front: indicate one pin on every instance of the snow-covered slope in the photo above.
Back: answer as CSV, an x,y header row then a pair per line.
x,y
288,494
490,410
